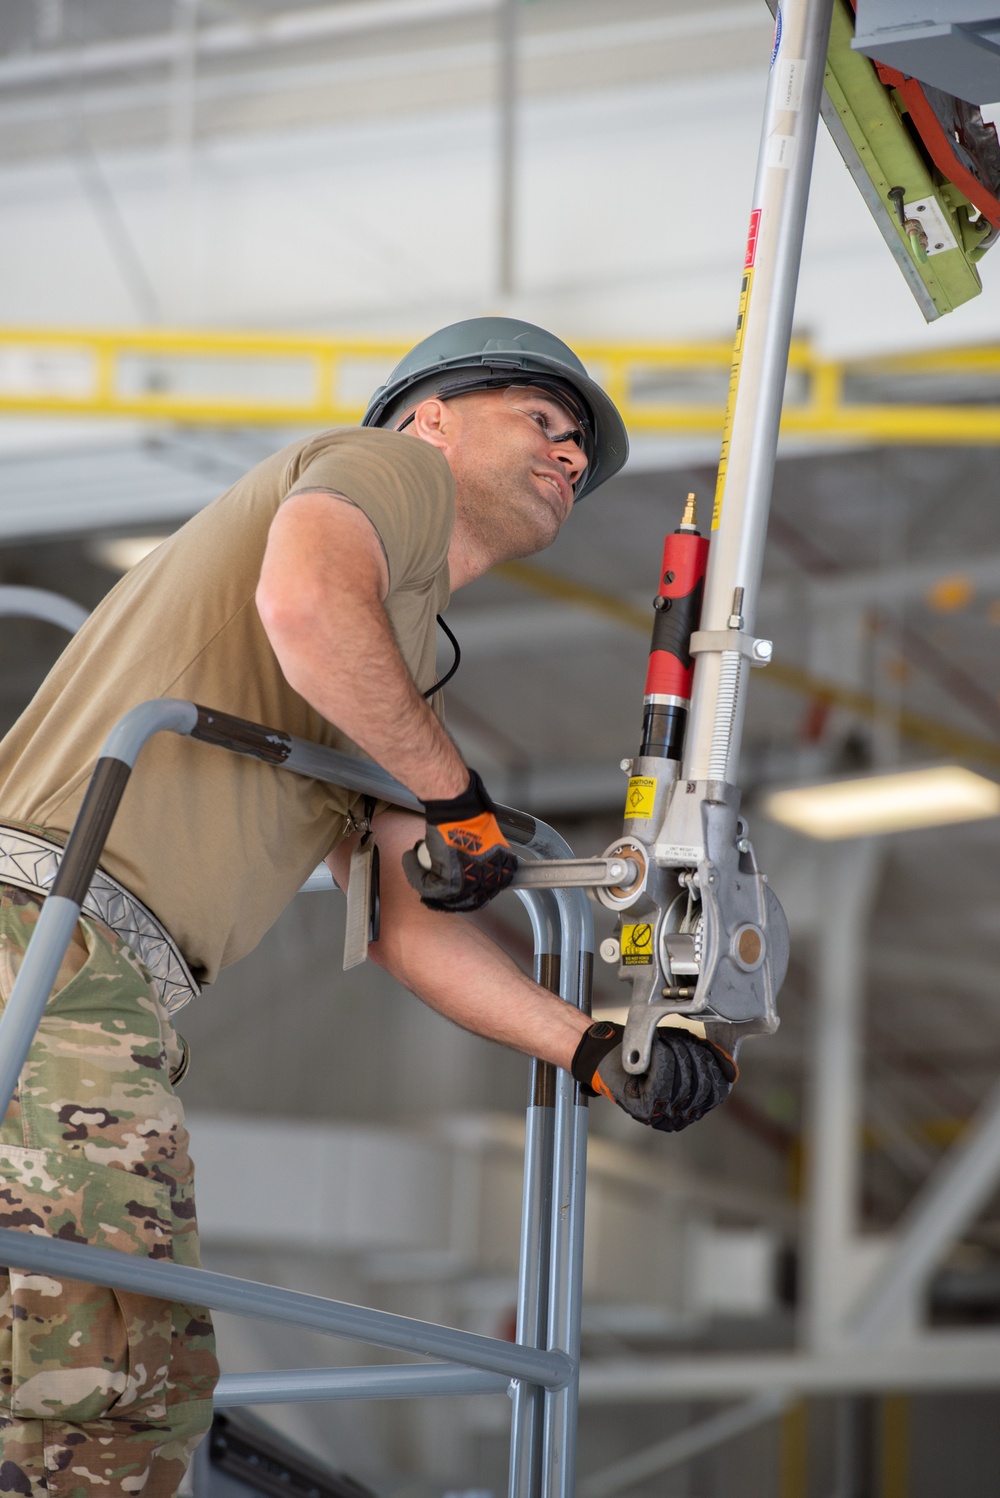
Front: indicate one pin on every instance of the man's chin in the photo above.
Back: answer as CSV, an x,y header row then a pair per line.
x,y
529,525
539,528
529,546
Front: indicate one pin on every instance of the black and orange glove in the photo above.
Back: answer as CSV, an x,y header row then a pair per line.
x,y
464,859
687,1076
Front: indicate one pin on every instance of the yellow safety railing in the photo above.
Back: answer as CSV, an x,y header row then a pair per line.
x,y
219,378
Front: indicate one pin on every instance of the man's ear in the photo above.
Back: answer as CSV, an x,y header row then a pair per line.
x,y
434,421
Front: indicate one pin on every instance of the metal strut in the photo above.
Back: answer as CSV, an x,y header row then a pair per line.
x,y
700,932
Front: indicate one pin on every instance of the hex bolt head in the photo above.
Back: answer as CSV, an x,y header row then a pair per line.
x,y
763,650
626,765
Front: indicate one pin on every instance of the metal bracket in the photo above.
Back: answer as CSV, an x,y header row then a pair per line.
x,y
740,955
757,652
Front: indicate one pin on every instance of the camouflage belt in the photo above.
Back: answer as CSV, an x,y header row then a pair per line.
x,y
31,862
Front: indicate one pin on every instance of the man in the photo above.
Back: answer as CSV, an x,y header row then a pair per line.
x,y
304,598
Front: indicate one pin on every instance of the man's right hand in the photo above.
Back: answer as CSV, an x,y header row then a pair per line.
x,y
464,858
687,1076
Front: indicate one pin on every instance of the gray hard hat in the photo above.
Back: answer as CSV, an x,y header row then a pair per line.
x,y
491,353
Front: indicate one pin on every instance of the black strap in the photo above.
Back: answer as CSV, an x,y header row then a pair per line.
x,y
454,665
595,1043
375,898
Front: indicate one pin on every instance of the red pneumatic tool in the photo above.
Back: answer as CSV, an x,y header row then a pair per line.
x,y
671,665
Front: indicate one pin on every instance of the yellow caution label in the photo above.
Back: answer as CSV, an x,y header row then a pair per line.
x,y
640,797
734,381
637,944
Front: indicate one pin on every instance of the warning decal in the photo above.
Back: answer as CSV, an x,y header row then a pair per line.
x,y
637,945
751,254
734,380
640,797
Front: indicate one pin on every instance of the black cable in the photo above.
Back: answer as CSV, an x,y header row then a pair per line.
x,y
454,665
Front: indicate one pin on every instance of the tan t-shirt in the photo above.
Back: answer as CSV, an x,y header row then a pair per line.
x,y
214,843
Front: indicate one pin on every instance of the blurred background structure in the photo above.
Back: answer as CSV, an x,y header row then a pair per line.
x,y
325,184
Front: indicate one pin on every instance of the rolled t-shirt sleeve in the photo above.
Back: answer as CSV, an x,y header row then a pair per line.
x,y
402,484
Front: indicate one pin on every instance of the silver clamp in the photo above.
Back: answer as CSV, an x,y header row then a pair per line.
x,y
757,652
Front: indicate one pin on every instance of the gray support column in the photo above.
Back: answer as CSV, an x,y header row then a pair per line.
x,y
834,1118
961,1184
506,146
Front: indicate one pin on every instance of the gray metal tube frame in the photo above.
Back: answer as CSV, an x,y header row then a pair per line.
x,y
39,603
544,1363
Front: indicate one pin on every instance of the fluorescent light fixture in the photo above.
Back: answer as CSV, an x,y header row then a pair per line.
x,y
906,799
124,552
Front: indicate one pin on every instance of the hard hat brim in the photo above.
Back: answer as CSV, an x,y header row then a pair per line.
x,y
495,371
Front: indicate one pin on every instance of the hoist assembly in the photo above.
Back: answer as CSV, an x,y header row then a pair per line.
x,y
700,933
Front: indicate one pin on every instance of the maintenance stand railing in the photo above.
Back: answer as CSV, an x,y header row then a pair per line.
x,y
541,1369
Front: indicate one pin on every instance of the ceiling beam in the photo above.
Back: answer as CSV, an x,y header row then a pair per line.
x,y
319,23
288,28
932,1361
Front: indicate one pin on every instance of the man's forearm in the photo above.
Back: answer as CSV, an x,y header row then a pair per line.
x,y
457,970
464,976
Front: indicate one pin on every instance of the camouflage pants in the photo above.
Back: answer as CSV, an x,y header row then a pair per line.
x,y
101,1391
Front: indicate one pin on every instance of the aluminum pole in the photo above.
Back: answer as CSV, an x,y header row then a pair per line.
x,y
568,1198
57,921
536,1206
760,360
224,1292
382,1381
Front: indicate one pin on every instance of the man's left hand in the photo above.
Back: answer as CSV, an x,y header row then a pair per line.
x,y
687,1076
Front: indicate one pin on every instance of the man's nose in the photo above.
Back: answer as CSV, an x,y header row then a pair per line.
x,y
570,459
